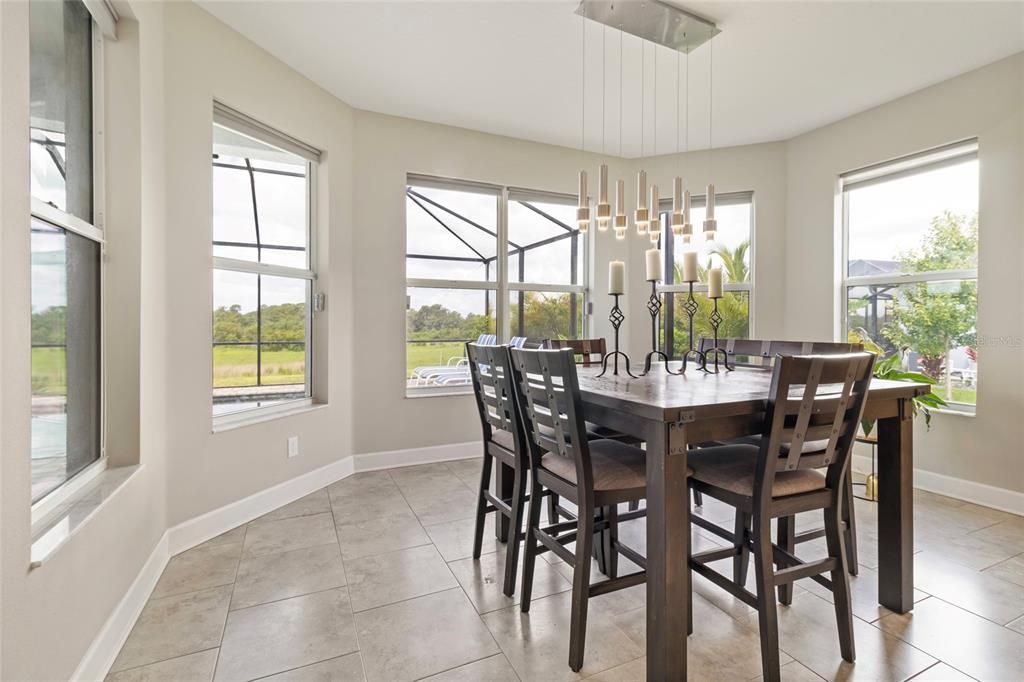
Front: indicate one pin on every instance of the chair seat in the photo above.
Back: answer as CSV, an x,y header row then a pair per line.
x,y
616,466
808,448
733,468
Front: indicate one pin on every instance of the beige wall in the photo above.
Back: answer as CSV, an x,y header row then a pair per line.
x,y
987,104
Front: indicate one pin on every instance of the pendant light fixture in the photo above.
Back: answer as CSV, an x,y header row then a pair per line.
x,y
642,217
677,182
654,227
620,186
583,206
710,224
604,209
687,230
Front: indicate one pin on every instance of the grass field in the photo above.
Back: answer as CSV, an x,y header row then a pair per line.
x,y
236,366
429,354
49,371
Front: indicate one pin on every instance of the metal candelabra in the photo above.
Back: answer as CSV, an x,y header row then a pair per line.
x,y
691,353
616,318
715,351
654,308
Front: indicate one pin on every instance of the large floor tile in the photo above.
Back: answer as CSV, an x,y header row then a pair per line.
x,y
940,672
267,537
965,549
314,503
980,593
367,483
468,470
270,577
232,536
366,505
441,506
348,668
961,639
1011,570
1017,625
199,568
1008,533
380,534
454,539
421,637
537,643
492,669
807,632
794,671
483,580
425,479
175,626
388,578
720,648
196,667
634,671
863,593
286,634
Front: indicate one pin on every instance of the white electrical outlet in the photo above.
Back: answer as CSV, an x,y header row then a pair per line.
x,y
293,446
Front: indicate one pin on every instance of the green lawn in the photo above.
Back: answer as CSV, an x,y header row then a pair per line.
x,y
236,366
429,354
49,371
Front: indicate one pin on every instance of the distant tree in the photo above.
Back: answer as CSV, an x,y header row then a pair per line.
x,y
49,326
734,307
932,318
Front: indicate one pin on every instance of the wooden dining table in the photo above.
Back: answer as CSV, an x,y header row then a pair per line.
x,y
671,413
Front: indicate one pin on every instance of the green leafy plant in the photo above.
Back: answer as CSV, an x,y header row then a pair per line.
x,y
891,368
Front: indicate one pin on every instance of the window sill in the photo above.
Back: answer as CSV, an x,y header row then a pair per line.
x,y
417,393
958,413
238,420
54,529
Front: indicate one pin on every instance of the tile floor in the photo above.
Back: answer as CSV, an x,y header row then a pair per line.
x,y
371,579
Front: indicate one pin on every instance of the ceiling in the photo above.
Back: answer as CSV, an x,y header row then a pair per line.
x,y
514,68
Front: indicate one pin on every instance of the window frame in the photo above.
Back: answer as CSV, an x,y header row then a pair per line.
x,y
502,286
102,21
241,124
667,243
893,169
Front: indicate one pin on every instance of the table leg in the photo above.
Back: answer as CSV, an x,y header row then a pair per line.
x,y
668,573
896,510
504,478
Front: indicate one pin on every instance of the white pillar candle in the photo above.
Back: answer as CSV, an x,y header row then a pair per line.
x,y
715,283
616,277
690,266
654,273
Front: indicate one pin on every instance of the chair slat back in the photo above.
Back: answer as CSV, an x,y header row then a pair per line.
x,y
813,397
762,352
592,350
491,374
549,398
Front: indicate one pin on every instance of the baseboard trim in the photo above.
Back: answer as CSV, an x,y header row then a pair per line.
x,y
104,649
969,491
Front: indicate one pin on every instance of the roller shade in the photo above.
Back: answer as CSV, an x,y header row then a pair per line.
x,y
239,122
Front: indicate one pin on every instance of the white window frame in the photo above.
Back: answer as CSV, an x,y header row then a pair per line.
x,y
239,123
104,22
699,201
502,286
953,153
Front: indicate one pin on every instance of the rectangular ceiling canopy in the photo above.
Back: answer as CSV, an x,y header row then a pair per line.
x,y
651,20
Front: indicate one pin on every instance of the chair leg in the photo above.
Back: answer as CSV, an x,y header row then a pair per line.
x,y
850,524
698,499
689,592
504,479
840,584
530,546
634,505
552,508
610,539
741,562
766,611
515,524
786,529
481,505
580,587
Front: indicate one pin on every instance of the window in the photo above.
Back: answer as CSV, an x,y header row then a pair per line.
x,y
66,247
460,289
730,251
263,267
911,264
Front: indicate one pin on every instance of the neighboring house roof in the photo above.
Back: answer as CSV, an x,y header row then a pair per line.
x,y
862,267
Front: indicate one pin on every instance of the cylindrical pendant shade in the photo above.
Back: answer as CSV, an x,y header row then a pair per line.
x,y
641,217
677,206
604,210
654,226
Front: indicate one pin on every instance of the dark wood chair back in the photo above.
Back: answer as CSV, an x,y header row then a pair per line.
x,y
762,352
491,372
813,397
592,350
548,393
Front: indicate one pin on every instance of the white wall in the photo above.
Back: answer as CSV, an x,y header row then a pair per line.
x,y
988,104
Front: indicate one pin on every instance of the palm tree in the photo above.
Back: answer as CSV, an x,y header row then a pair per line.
x,y
734,308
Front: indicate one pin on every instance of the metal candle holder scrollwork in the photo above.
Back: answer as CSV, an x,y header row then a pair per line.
x,y
690,308
712,354
616,317
654,305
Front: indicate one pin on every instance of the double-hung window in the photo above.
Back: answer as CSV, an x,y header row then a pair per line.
x,y
66,246
264,276
730,251
490,264
910,264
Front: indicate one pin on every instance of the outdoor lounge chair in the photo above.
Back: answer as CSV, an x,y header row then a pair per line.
x,y
456,372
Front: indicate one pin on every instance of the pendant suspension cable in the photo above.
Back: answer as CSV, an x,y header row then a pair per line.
x,y
604,80
583,87
620,93
643,93
711,109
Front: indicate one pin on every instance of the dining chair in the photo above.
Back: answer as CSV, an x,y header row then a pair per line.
x,y
504,441
596,475
814,397
592,351
762,353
